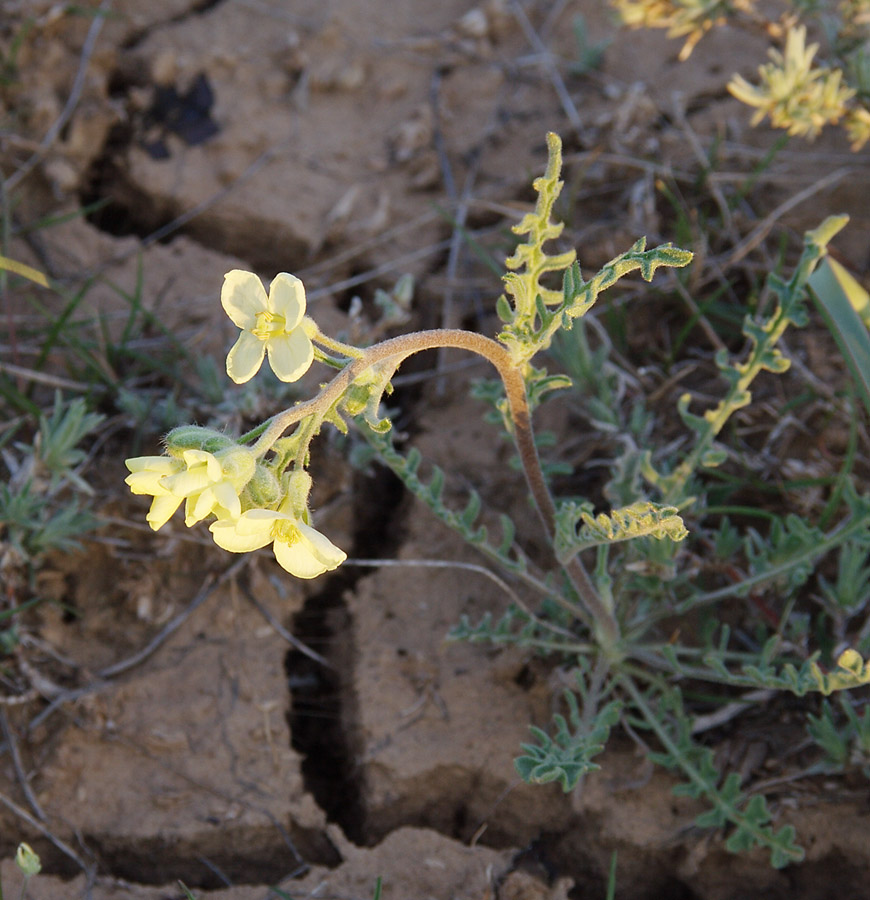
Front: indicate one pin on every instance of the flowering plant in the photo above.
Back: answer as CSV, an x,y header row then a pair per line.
x,y
610,618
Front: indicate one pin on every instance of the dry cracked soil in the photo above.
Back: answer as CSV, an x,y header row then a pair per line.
x,y
348,141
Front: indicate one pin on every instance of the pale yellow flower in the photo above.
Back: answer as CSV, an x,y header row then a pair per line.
x,y
208,484
300,549
146,475
270,324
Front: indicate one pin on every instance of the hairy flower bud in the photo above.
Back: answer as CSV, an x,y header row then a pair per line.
x,y
195,437
298,484
27,861
264,489
238,464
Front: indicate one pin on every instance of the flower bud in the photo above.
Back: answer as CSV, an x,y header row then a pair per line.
x,y
238,465
264,489
356,398
298,488
27,861
195,437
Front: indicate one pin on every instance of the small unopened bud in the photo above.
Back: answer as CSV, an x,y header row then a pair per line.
x,y
195,437
27,861
263,489
298,488
238,464
356,399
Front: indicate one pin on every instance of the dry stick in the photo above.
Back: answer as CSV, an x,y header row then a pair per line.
x,y
281,630
72,101
456,240
760,232
65,697
547,58
727,712
64,848
265,157
678,105
211,582
460,217
20,774
469,567
55,381
552,18
382,269
397,349
331,261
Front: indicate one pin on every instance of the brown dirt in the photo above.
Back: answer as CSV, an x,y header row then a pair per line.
x,y
228,758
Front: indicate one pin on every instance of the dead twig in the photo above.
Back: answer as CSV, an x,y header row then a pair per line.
x,y
760,232
549,64
211,582
64,848
468,567
20,774
69,107
280,629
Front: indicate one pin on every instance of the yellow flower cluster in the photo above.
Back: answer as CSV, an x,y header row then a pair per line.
x,y
793,92
212,484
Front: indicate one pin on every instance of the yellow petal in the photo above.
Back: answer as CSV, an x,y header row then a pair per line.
x,y
227,536
310,556
290,355
146,483
226,498
322,547
287,299
198,506
245,358
243,297
162,510
186,483
164,465
258,521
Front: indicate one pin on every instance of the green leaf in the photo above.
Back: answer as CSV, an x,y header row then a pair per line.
x,y
577,529
845,306
567,756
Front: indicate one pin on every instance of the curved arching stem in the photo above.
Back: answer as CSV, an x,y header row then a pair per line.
x,y
396,350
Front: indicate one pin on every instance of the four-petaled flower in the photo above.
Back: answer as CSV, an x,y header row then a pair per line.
x,y
300,549
270,324
208,485
212,484
146,475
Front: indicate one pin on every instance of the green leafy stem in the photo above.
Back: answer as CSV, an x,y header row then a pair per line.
x,y
386,357
763,355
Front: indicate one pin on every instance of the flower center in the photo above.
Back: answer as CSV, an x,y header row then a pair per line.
x,y
268,325
285,531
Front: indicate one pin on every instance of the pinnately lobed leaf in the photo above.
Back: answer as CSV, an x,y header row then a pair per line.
x,y
577,529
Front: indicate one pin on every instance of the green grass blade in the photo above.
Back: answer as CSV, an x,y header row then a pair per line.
x,y
844,304
9,613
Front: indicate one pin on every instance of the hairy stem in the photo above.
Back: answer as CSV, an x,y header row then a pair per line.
x,y
395,351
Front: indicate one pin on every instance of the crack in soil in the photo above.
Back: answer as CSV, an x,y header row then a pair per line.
x,y
321,715
251,856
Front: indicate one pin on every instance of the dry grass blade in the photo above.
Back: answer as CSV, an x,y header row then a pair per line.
x,y
28,272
